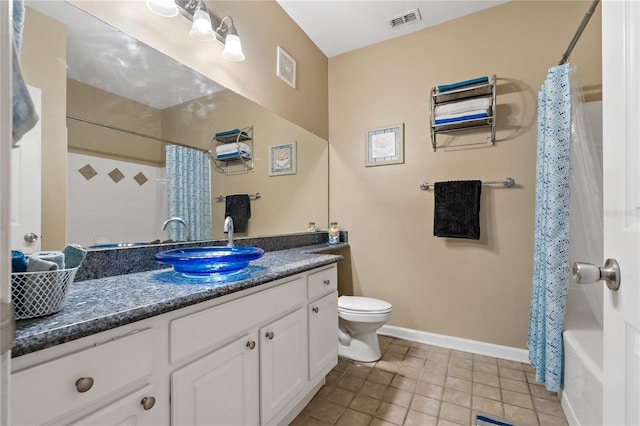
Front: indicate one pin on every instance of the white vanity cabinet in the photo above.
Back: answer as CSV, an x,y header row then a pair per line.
x,y
219,388
252,357
96,376
283,363
322,312
132,409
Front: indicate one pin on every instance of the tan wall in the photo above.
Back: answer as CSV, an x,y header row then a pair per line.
x,y
97,105
262,26
470,289
45,68
288,202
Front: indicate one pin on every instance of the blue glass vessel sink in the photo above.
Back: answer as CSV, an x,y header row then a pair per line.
x,y
208,260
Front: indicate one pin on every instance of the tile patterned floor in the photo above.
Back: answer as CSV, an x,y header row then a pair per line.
x,y
418,384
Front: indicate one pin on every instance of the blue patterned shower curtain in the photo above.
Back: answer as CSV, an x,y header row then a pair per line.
x,y
188,192
551,235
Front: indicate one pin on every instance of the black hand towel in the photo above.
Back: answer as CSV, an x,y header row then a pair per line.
x,y
239,208
457,209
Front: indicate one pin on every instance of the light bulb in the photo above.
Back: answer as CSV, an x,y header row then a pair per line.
x,y
201,28
165,8
232,48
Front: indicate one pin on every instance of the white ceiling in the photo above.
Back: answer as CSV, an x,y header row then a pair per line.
x,y
340,26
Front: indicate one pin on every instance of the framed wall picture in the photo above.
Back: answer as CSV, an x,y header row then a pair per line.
x,y
286,69
385,145
282,159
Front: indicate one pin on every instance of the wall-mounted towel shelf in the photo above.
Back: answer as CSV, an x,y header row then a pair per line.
x,y
231,152
479,97
507,183
256,196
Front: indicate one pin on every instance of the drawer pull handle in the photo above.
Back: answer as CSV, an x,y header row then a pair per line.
x,y
269,335
315,309
326,282
148,402
83,384
251,344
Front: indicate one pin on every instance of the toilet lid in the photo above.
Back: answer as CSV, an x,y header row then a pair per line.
x,y
363,304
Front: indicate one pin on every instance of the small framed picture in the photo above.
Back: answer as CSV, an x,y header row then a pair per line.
x,y
282,159
385,145
286,69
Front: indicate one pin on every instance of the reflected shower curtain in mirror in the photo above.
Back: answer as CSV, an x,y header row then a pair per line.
x,y
551,233
188,192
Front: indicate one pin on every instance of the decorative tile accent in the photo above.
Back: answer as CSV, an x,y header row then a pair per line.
x,y
116,175
140,178
87,171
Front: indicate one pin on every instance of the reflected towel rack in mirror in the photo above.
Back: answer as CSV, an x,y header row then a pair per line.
x,y
256,196
507,183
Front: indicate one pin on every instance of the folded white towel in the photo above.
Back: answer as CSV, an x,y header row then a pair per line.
x,y
461,114
233,147
463,106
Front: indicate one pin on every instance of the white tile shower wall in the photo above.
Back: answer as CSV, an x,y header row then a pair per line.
x,y
101,211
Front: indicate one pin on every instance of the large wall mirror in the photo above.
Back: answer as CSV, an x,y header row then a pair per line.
x,y
121,104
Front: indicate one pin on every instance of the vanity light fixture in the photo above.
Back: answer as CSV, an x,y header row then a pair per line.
x,y
166,8
232,46
202,28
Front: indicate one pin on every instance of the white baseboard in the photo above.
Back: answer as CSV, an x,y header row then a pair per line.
x,y
457,343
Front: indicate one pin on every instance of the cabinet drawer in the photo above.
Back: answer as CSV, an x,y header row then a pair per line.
x,y
322,282
208,329
47,391
127,410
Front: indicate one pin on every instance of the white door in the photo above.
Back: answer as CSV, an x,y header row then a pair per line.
x,y
323,341
283,362
5,155
621,151
25,185
220,388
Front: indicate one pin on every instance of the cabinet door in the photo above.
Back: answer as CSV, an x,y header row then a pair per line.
x,y
134,409
219,389
323,334
283,362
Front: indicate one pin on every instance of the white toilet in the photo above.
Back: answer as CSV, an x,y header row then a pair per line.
x,y
358,320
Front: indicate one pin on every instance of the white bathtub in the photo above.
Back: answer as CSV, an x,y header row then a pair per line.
x,y
581,395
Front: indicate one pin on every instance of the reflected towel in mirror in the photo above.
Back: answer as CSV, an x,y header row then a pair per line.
x,y
239,208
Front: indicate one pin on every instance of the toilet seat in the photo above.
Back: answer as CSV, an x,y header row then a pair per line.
x,y
363,305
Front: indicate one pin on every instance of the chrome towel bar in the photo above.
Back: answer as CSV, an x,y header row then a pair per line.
x,y
256,196
507,183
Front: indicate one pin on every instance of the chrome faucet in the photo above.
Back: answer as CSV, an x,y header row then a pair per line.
x,y
179,220
228,228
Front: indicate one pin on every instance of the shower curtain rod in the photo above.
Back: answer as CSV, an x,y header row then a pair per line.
x,y
132,132
578,33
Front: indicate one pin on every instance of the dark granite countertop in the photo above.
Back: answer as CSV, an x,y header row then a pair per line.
x,y
98,305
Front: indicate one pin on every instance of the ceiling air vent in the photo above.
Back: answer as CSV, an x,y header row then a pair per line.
x,y
406,18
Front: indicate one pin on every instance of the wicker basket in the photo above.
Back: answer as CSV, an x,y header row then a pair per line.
x,y
36,294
